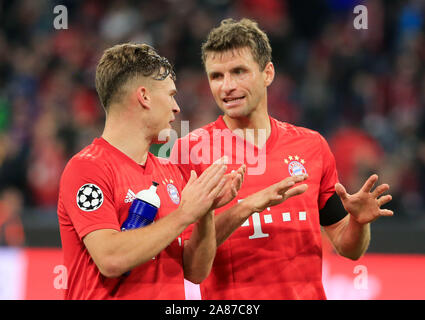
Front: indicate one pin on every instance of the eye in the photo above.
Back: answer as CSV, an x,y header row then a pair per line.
x,y
215,76
238,71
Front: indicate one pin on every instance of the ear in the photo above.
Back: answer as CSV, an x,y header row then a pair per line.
x,y
268,73
143,97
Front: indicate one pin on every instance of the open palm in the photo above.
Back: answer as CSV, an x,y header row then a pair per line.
x,y
365,205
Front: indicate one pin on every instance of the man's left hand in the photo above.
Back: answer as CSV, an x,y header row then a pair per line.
x,y
365,205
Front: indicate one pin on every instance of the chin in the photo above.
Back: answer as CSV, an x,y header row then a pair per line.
x,y
161,140
236,113
163,136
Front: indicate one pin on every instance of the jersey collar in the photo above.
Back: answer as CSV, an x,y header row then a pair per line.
x,y
147,167
220,124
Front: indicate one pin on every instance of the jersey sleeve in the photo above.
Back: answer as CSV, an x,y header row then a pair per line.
x,y
329,174
86,194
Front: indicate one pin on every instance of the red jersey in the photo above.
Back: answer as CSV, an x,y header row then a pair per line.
x,y
277,253
96,190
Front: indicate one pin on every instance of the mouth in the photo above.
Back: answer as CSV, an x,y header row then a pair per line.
x,y
231,102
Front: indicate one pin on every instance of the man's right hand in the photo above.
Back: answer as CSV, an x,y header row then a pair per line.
x,y
200,192
276,193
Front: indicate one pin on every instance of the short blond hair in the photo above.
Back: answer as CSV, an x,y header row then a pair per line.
x,y
232,34
125,62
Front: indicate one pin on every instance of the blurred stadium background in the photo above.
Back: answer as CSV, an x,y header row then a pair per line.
x,y
364,90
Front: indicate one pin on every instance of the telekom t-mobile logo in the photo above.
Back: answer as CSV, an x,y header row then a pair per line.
x,y
256,222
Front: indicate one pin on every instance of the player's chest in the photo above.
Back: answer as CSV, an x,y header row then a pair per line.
x,y
283,162
299,213
128,186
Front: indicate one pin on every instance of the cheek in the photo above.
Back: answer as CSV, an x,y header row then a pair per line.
x,y
257,86
251,82
215,90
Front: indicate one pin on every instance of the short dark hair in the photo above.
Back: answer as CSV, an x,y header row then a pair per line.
x,y
232,34
124,62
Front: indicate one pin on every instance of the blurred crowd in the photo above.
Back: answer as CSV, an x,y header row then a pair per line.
x,y
364,90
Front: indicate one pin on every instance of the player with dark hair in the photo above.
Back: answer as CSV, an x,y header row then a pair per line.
x,y
275,252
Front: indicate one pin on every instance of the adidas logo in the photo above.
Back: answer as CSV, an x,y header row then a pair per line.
x,y
130,196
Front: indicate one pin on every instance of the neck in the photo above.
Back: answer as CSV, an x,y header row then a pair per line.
x,y
130,141
255,128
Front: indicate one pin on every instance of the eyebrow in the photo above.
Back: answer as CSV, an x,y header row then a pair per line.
x,y
214,73
240,66
173,92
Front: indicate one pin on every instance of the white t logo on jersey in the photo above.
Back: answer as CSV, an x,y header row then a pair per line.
x,y
257,222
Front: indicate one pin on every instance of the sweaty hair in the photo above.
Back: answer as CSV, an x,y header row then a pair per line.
x,y
125,62
231,34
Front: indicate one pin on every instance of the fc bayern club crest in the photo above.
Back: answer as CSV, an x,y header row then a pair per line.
x,y
173,193
295,165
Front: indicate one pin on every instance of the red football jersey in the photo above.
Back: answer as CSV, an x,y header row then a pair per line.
x,y
277,253
97,188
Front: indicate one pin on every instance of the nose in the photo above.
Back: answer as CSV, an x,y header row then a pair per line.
x,y
176,108
228,84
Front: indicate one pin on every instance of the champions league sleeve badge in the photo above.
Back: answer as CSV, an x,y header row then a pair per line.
x,y
89,197
295,165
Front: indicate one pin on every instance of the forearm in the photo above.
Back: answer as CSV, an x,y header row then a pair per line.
x,y
228,221
199,250
231,219
122,251
354,239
